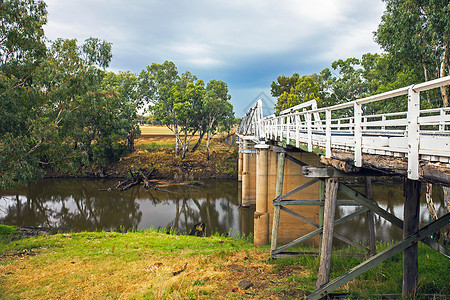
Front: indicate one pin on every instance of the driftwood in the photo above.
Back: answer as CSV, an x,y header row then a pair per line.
x,y
141,177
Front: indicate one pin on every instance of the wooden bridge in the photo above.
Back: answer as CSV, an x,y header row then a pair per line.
x,y
348,140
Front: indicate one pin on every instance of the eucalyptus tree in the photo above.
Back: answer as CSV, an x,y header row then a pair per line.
x,y
157,89
417,34
217,109
188,102
123,91
22,48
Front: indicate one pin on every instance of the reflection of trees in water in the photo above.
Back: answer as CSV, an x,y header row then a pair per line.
x,y
192,209
80,205
390,198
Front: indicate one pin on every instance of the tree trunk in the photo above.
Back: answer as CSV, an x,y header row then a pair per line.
x,y
442,74
177,137
202,134
430,204
184,145
208,137
447,210
130,141
425,73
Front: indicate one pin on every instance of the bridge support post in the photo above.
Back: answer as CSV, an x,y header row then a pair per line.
x,y
261,231
240,163
331,188
410,226
278,193
245,178
370,217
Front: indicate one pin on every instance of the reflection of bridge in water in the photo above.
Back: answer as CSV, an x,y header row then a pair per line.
x,y
292,162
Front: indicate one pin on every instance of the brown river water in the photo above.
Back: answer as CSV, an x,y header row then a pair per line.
x,y
80,205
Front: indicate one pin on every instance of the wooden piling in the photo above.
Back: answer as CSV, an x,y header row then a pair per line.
x,y
370,217
278,192
331,188
410,226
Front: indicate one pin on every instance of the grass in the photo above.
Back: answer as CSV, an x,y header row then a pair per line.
x,y
155,130
159,152
117,265
147,265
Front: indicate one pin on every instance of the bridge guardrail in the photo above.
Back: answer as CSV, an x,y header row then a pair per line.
x,y
415,133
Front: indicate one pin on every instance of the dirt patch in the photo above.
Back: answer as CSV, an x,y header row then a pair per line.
x,y
253,276
159,153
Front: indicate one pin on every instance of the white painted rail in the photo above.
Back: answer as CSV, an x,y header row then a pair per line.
x,y
417,134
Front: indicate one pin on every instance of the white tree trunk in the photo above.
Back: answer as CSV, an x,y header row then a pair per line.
x,y
208,137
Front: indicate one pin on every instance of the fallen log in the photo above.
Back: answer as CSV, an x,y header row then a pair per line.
x,y
141,177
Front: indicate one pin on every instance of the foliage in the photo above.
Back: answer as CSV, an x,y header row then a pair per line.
x,y
417,33
56,110
304,89
217,110
184,104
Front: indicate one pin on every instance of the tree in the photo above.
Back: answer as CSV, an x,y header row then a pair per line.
x,y
217,110
188,97
283,84
21,50
71,84
304,89
157,85
124,87
417,34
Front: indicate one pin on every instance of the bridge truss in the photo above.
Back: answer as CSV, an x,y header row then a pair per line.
x,y
412,142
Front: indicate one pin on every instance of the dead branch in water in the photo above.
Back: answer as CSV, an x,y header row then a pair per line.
x,y
141,177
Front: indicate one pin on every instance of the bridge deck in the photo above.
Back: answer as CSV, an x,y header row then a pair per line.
x,y
418,140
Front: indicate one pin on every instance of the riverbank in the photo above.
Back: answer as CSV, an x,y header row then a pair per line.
x,y
155,265
157,151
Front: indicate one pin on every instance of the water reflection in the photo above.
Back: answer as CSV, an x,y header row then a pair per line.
x,y
80,205
390,198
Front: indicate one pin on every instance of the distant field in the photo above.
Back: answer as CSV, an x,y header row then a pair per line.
x,y
155,130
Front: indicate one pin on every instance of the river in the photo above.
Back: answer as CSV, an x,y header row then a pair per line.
x,y
80,205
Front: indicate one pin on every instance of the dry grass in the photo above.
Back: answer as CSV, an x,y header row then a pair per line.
x,y
106,268
159,153
155,130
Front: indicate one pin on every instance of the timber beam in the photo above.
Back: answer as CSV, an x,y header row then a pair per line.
x,y
380,257
434,172
326,172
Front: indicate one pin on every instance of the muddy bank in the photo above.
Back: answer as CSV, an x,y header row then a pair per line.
x,y
222,165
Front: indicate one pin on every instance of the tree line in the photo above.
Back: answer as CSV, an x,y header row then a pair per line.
x,y
415,37
61,110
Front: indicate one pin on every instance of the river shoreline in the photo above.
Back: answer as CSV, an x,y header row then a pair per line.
x,y
158,153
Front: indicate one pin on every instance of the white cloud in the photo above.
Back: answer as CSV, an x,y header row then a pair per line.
x,y
247,43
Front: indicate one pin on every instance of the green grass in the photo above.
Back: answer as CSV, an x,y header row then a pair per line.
x,y
386,278
7,233
6,230
141,265
153,146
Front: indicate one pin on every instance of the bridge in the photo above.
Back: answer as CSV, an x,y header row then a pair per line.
x,y
305,149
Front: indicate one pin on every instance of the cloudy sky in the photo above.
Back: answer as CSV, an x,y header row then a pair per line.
x,y
246,43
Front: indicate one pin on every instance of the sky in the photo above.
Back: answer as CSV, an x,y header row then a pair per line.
x,y
245,43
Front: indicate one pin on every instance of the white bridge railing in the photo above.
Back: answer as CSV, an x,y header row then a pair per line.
x,y
416,134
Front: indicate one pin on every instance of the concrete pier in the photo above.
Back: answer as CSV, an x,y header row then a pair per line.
x,y
240,163
261,231
259,181
248,174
